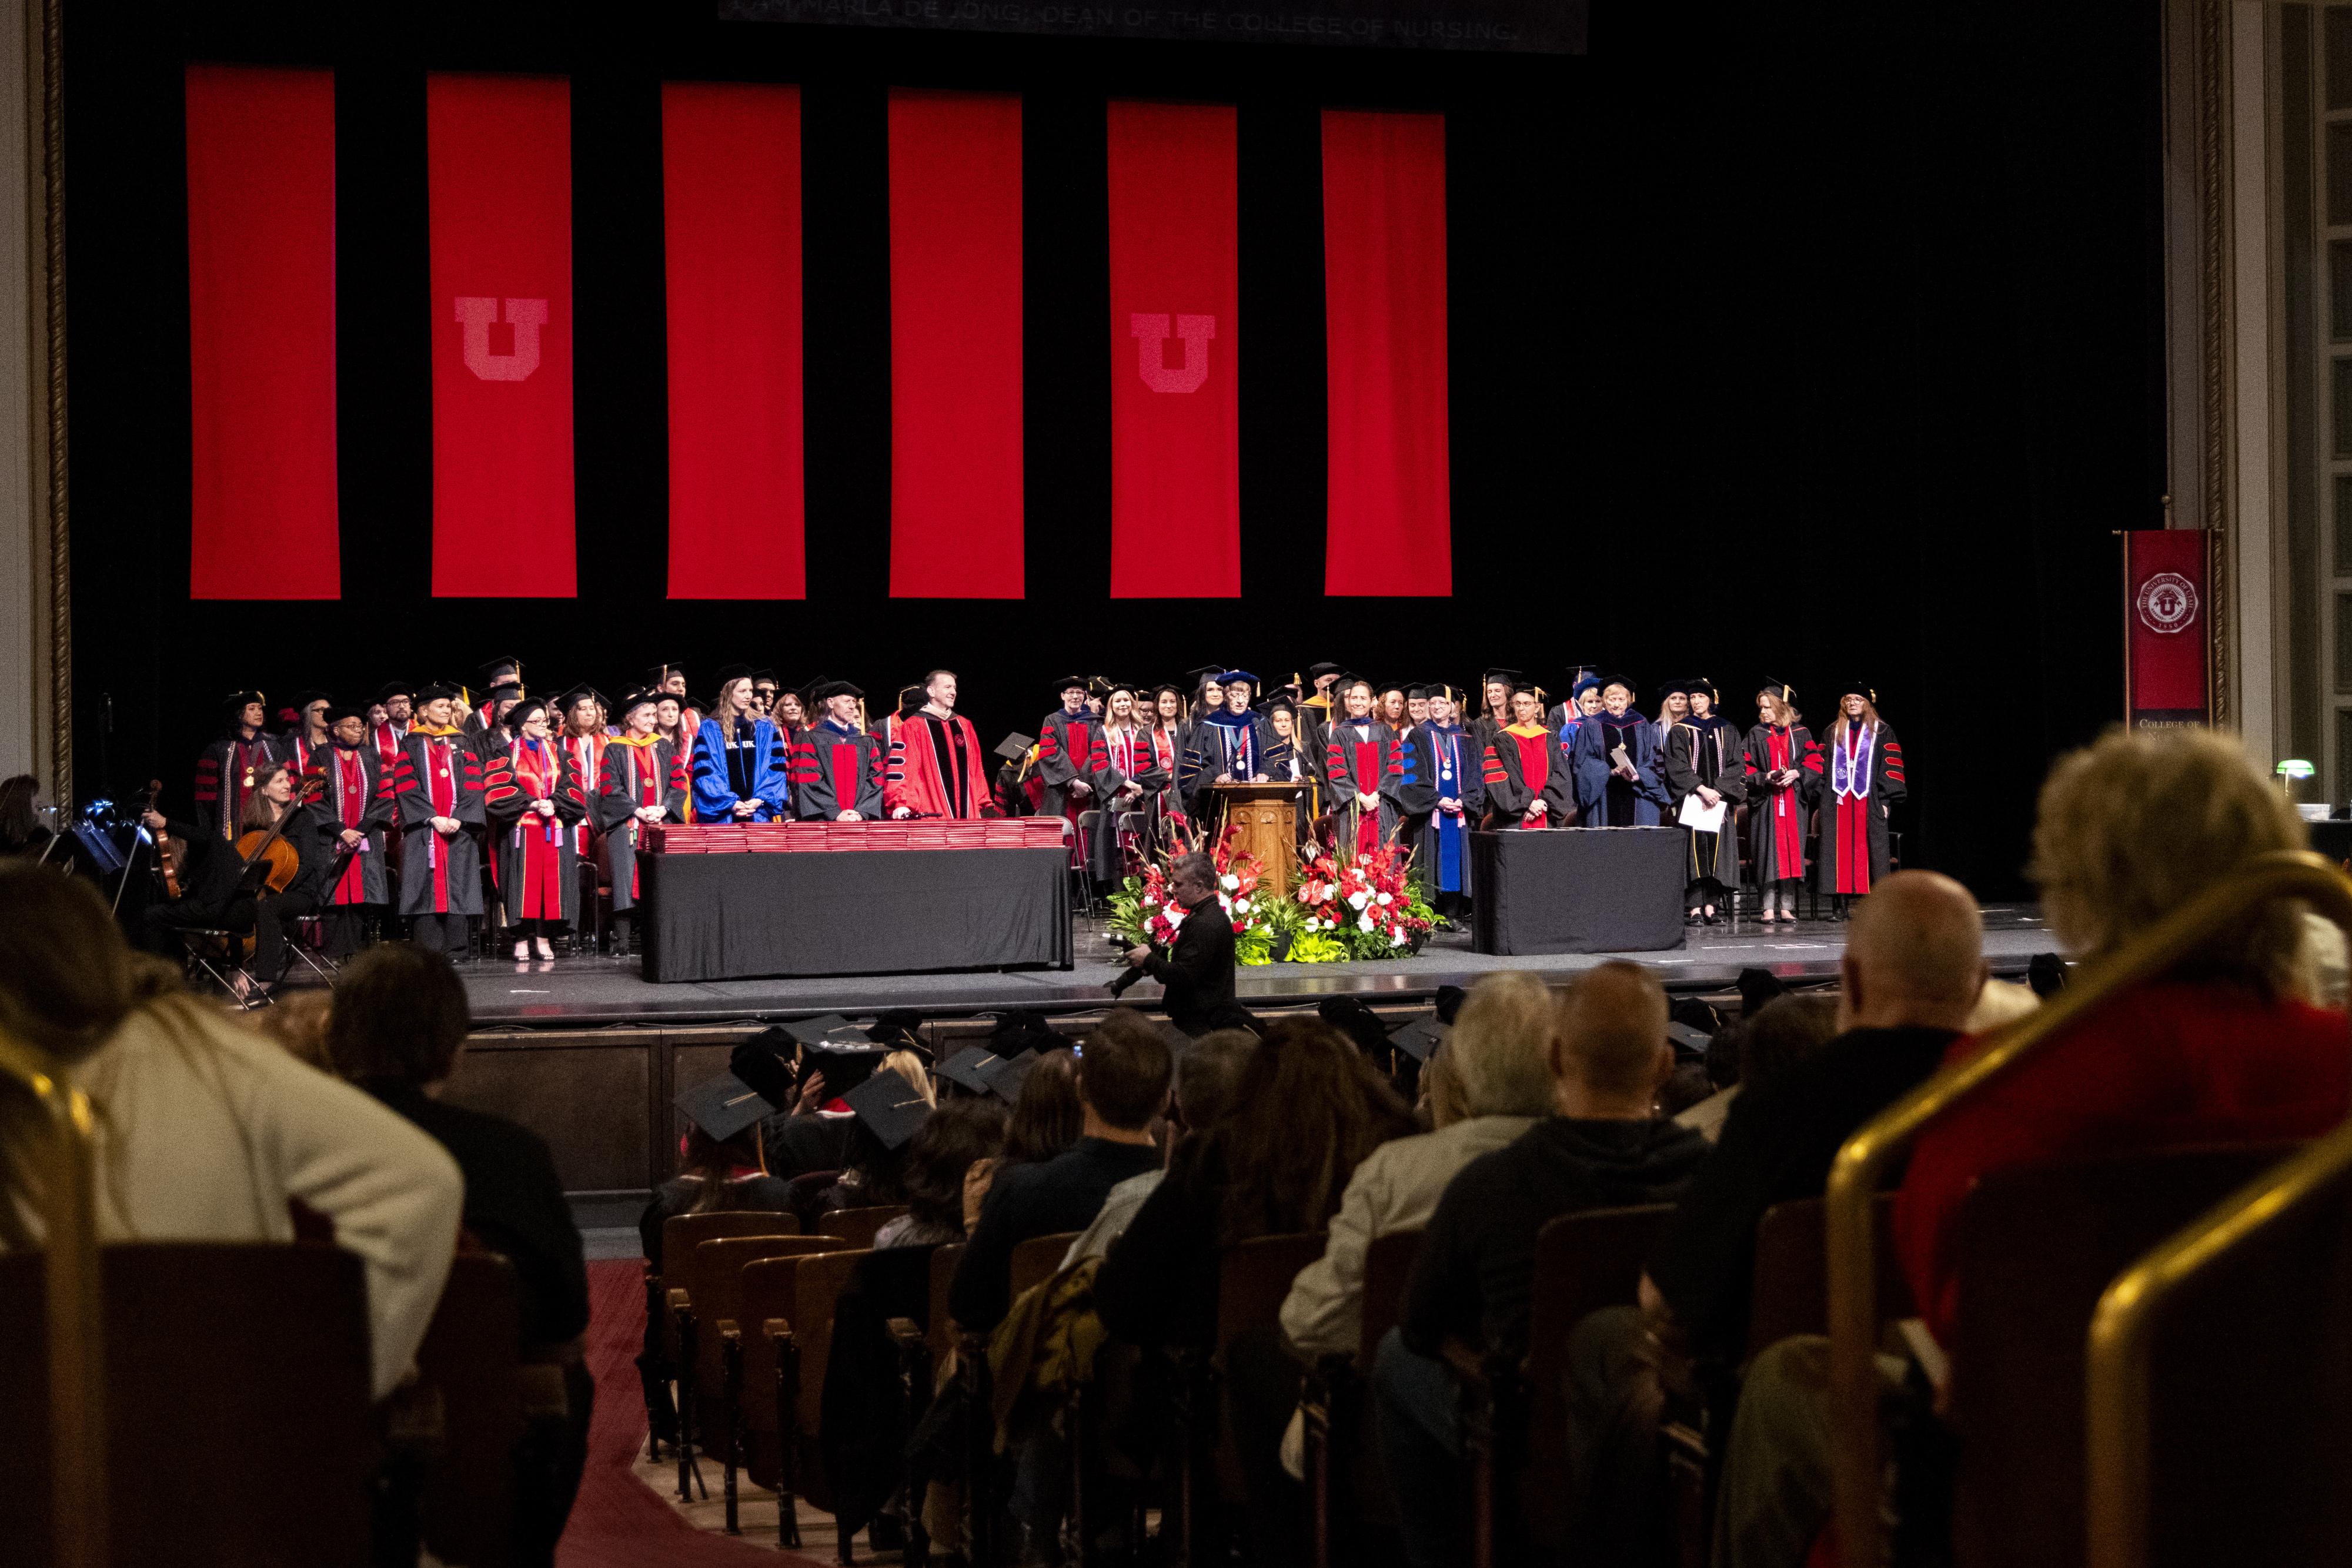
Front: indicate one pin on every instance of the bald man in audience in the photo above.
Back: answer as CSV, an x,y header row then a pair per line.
x,y
1912,974
1605,1147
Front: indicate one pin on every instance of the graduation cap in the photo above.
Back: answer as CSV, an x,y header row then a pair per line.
x,y
660,674
892,1109
764,1062
571,699
392,689
436,692
1354,1019
503,665
1584,680
502,690
519,715
1625,681
826,1029
1417,693
727,673
724,1107
901,1030
1237,677
1200,677
300,701
1014,746
969,1069
1008,1073
912,698
1511,678
235,702
1780,689
1438,691
1421,1037
767,675
1699,686
1858,689
1687,1041
1065,684
825,691
338,712
634,701
1317,671
1449,1002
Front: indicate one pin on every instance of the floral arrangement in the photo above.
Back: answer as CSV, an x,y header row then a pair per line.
x,y
1143,910
1360,907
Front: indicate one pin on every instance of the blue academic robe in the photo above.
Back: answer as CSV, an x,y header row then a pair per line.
x,y
1589,757
763,756
1442,762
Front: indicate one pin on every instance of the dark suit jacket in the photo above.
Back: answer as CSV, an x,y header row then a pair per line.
x,y
1197,968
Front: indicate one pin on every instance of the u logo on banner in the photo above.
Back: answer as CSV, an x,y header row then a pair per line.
x,y
1149,331
525,316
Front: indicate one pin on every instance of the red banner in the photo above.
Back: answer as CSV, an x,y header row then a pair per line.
x,y
261,333
731,227
1175,412
1390,519
2164,588
955,346
499,162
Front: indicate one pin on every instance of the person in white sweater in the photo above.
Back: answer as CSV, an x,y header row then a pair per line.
x,y
1497,1052
205,1130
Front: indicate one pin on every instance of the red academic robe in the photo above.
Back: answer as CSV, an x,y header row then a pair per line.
x,y
937,770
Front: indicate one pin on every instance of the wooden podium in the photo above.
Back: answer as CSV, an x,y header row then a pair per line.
x,y
1267,816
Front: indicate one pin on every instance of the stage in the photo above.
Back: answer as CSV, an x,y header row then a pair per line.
x,y
589,1056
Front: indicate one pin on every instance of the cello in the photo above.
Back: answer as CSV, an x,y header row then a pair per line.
x,y
170,852
267,863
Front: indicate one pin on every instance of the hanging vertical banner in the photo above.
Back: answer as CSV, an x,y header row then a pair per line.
x,y
955,346
1175,342
731,237
498,164
261,333
2166,629
1390,517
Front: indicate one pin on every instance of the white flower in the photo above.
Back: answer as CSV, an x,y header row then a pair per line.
x,y
1357,900
1240,906
1229,882
1174,917
1365,923
1386,898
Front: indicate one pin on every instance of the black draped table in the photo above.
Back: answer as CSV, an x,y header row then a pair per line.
x,y
1578,890
854,912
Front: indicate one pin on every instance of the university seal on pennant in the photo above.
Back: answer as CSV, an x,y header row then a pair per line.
x,y
2168,603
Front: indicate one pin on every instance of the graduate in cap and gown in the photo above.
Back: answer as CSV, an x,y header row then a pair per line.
x,y
1363,773
1526,770
434,787
226,767
935,767
1855,775
641,784
1705,757
1072,761
1447,796
352,812
836,766
742,772
1610,793
1777,745
533,797
1230,745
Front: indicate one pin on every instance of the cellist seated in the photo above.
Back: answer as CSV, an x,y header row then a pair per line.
x,y
260,884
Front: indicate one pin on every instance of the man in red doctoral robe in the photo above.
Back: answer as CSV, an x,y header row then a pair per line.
x,y
936,767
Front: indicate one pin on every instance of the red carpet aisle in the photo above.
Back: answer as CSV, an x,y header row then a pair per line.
x,y
617,1524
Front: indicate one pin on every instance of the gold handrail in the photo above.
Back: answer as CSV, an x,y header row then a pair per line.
x,y
2116,1479
1855,1177
77,1361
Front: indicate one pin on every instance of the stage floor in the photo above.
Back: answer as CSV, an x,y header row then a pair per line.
x,y
572,993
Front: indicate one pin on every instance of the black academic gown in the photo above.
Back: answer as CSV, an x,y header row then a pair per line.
x,y
520,836
1441,763
1348,773
226,771
1707,751
634,776
1855,852
836,771
437,776
1069,751
1510,791
353,797
1241,745
1777,815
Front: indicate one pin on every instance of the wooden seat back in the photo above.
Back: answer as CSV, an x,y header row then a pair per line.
x,y
801,1291
2250,1395
938,1332
469,1366
1790,1288
238,1420
1583,1262
714,1286
858,1227
1388,1268
1253,1278
682,1233
1039,1259
2035,1247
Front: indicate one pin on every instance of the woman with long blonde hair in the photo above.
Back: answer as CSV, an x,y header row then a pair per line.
x,y
1860,778
1779,745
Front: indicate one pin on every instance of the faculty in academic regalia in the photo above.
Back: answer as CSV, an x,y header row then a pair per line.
x,y
533,795
1170,731
1583,701
307,734
499,674
1232,744
643,784
579,718
352,812
1294,762
1855,775
935,765
1495,713
741,770
1446,798
1071,762
1777,748
225,769
1316,709
1704,758
1129,750
1363,768
434,787
836,766
671,680
1610,794
396,700
1524,771
489,729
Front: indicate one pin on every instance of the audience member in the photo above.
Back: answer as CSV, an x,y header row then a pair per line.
x,y
952,1139
205,1130
716,1175
1499,1052
1207,1077
298,1023
1121,1084
1047,1121
877,1172
1602,1148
